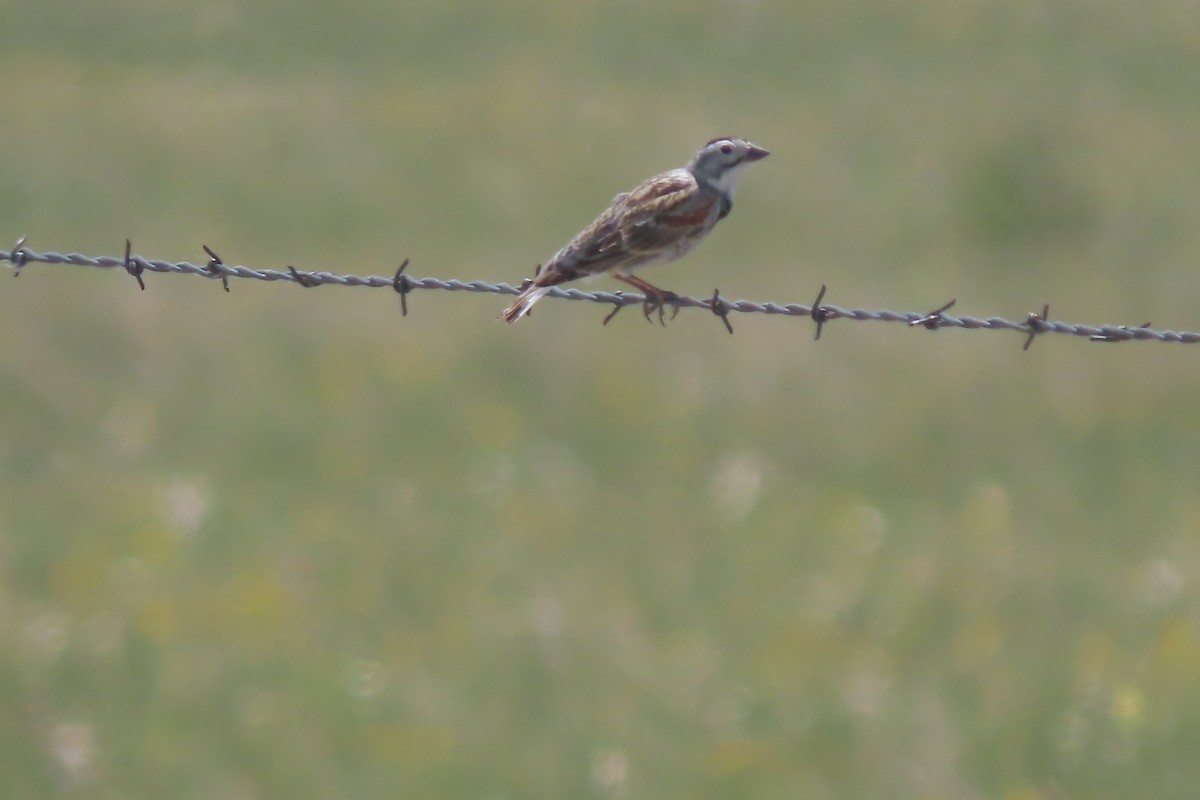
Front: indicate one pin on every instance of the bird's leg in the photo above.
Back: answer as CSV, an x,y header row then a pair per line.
x,y
656,298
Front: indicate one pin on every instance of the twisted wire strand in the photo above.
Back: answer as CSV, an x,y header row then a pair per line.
x,y
216,269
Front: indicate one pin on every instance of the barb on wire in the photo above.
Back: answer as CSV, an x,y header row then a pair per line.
x,y
215,265
820,314
616,307
1119,333
308,280
1036,324
719,307
401,282
18,257
133,266
934,319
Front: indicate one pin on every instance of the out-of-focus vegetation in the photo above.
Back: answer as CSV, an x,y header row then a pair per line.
x,y
285,543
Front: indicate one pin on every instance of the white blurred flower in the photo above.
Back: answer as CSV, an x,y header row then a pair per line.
x,y
736,484
46,635
610,770
366,678
1158,582
73,747
184,504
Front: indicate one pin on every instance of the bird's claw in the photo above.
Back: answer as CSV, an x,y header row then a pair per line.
x,y
658,302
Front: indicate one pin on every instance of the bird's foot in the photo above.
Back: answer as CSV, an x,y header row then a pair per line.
x,y
658,300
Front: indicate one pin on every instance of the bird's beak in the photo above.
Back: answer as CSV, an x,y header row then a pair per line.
x,y
756,153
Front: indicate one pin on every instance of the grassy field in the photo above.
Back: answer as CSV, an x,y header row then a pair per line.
x,y
286,543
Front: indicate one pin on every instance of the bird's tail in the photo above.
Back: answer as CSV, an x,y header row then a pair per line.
x,y
524,302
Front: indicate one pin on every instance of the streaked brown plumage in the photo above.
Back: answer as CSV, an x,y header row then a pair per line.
x,y
659,220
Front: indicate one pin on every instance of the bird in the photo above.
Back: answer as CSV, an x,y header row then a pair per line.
x,y
658,221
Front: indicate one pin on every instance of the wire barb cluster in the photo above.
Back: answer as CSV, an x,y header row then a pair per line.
x,y
404,284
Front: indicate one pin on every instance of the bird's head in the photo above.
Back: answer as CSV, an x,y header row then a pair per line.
x,y
721,161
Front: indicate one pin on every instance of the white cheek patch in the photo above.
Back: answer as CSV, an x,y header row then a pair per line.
x,y
728,179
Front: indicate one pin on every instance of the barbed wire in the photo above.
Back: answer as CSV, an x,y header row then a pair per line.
x,y
404,284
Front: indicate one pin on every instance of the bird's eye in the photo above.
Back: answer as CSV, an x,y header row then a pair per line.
x,y
726,149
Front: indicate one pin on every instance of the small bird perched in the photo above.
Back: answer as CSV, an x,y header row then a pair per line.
x,y
658,221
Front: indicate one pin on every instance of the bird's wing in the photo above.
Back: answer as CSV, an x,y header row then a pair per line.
x,y
595,249
643,221
662,211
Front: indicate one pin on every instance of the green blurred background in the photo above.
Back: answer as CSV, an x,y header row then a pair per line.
x,y
286,543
